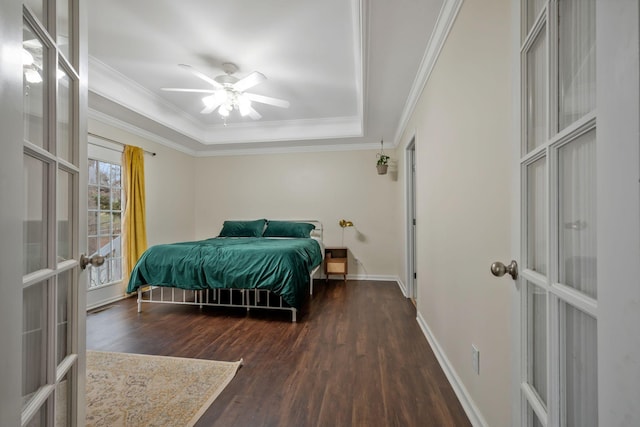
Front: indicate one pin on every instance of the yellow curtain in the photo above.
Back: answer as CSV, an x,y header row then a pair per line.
x,y
134,230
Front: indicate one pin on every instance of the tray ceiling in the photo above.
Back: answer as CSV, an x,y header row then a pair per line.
x,y
346,67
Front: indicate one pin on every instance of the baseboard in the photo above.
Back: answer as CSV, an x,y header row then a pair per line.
x,y
403,287
107,301
374,277
470,408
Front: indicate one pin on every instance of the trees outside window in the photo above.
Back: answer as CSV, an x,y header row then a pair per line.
x,y
105,221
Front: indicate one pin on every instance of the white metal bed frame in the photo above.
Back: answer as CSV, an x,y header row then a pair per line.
x,y
224,297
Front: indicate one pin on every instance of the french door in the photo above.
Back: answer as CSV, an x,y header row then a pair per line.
x,y
559,289
48,309
560,153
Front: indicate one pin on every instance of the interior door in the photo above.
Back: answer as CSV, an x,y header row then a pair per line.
x,y
561,223
412,288
559,289
49,166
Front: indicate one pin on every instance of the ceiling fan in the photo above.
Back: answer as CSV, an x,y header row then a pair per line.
x,y
228,92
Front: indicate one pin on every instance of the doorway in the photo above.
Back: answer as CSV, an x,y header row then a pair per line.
x,y
410,159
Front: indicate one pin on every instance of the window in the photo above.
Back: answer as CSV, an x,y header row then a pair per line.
x,y
105,221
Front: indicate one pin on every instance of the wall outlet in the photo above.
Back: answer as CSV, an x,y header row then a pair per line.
x,y
475,359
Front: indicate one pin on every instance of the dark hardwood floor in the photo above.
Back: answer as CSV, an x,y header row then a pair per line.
x,y
356,357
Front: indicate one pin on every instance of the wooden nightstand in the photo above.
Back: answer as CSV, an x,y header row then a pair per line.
x,y
335,262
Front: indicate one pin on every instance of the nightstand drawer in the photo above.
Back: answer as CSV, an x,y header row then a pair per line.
x,y
337,266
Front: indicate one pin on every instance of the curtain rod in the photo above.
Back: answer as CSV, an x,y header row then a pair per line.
x,y
115,142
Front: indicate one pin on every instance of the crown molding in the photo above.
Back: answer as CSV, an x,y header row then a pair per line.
x,y
116,87
289,130
315,148
236,151
134,130
444,23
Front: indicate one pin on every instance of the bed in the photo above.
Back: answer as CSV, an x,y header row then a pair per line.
x,y
252,264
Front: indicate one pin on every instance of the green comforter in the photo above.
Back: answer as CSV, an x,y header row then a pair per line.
x,y
279,265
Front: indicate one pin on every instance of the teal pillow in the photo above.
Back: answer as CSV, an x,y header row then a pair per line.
x,y
288,229
243,228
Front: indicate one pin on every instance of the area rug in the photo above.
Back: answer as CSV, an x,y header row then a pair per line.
x,y
140,390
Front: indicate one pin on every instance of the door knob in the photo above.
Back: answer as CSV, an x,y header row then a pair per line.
x,y
96,261
498,269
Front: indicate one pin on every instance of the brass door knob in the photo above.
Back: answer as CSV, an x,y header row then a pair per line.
x,y
498,269
96,261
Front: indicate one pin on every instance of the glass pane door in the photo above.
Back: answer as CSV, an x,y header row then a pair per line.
x,y
576,60
50,216
558,214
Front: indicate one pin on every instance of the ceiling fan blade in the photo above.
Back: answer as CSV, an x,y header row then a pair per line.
x,y
201,75
179,89
268,100
250,81
254,114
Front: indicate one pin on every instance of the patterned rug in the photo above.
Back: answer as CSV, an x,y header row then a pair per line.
x,y
139,390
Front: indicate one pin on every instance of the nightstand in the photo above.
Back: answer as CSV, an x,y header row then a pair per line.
x,y
335,262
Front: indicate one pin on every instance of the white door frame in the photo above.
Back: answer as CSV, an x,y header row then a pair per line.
x,y
618,212
80,334
11,210
517,348
410,267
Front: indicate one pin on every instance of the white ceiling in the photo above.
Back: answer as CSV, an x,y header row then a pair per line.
x,y
347,67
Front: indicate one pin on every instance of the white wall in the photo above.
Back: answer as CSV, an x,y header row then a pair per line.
x,y
463,151
327,186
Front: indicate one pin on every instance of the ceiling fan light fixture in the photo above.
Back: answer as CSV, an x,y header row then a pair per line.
x,y
244,105
27,58
208,101
219,97
228,93
224,110
32,76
